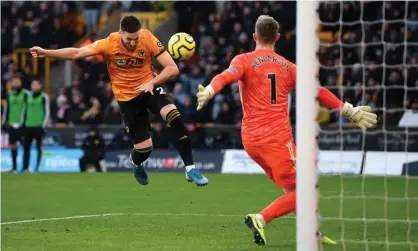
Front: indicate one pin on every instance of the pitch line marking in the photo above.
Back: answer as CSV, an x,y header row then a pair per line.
x,y
61,218
198,215
118,214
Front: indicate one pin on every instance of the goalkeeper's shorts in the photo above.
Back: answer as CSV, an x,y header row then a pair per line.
x,y
278,161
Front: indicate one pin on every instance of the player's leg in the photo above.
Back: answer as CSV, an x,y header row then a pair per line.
x,y
39,146
83,163
257,153
27,142
139,154
135,117
13,138
282,161
163,104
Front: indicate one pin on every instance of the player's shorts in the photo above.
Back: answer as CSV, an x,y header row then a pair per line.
x,y
15,135
32,133
135,112
278,161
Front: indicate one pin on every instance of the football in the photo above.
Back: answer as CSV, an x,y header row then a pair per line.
x,y
181,46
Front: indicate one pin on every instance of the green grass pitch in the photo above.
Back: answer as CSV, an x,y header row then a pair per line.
x,y
171,214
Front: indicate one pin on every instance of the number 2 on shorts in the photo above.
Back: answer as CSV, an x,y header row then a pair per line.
x,y
161,90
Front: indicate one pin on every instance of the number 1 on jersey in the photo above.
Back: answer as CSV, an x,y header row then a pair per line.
x,y
272,78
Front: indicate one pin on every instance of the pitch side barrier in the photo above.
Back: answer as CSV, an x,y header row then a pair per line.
x,y
392,139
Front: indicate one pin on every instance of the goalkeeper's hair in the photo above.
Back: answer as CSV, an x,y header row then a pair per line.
x,y
266,29
130,24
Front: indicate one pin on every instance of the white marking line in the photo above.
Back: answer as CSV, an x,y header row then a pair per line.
x,y
118,214
201,215
60,218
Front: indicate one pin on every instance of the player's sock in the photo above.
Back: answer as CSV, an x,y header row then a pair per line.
x,y
38,160
14,157
180,137
188,168
281,206
140,155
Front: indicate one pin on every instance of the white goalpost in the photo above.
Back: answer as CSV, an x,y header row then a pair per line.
x,y
306,127
374,58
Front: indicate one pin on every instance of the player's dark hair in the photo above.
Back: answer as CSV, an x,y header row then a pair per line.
x,y
130,24
266,29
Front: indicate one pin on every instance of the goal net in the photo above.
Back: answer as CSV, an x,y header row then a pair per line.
x,y
367,54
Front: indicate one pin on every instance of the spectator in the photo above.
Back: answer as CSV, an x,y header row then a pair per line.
x,y
226,115
196,78
91,14
159,136
63,109
93,151
179,94
112,114
188,111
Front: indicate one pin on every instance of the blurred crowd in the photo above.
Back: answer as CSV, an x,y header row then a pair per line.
x,y
221,32
25,24
62,24
368,54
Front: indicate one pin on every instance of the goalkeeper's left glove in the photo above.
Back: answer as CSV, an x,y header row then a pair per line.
x,y
360,115
204,95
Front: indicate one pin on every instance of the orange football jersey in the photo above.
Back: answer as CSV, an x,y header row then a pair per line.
x,y
265,80
128,69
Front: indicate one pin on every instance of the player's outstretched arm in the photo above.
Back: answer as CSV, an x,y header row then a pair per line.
x,y
229,76
66,53
360,115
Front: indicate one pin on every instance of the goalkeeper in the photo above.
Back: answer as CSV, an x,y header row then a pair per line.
x,y
265,80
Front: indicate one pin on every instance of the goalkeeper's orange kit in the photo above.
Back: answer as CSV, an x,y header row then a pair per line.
x,y
128,69
265,80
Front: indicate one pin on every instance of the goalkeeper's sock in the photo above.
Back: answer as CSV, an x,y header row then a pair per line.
x,y
180,137
281,206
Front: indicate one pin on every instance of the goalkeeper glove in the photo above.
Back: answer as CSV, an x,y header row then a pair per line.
x,y
203,96
360,115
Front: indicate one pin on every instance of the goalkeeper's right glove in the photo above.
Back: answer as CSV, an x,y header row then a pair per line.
x,y
204,95
360,115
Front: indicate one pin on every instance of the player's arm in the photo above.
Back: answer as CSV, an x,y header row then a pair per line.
x,y
5,113
360,115
169,71
170,68
66,53
328,99
229,76
71,53
45,103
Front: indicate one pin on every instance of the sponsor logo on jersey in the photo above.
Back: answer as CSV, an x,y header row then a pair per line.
x,y
129,62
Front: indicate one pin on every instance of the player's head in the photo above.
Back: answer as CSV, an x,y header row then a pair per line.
x,y
36,86
16,83
266,30
129,27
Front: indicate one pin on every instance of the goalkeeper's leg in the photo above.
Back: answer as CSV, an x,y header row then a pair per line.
x,y
279,164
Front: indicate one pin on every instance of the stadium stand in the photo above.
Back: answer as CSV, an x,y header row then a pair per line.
x,y
222,30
